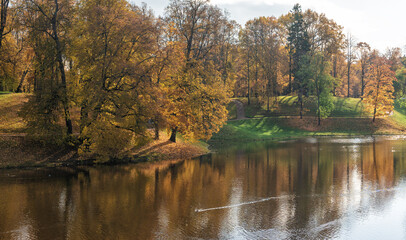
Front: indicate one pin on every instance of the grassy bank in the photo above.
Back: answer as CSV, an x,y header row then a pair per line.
x,y
287,106
348,118
17,150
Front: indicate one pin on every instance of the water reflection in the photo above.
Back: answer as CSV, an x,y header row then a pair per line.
x,y
311,188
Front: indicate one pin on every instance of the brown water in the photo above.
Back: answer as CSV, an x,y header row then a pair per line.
x,y
346,188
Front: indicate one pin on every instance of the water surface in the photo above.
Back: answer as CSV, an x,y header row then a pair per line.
x,y
314,188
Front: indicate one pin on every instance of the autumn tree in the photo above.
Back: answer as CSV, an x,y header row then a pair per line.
x,y
48,24
4,6
245,53
394,56
263,37
270,45
350,56
379,89
9,49
325,35
197,87
364,56
113,53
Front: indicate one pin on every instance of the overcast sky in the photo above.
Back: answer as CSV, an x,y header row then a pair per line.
x,y
380,23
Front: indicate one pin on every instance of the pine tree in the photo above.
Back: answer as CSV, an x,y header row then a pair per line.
x,y
299,43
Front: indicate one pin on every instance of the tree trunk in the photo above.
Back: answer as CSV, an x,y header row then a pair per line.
x,y
173,134
3,18
156,128
20,85
248,78
373,119
376,98
318,114
84,115
268,103
348,79
301,103
290,73
362,81
334,74
68,120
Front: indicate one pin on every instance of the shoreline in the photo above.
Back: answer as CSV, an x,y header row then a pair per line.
x,y
20,153
73,160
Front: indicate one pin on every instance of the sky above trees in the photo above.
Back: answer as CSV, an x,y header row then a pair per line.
x,y
374,21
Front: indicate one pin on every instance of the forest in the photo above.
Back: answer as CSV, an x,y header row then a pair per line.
x,y
108,75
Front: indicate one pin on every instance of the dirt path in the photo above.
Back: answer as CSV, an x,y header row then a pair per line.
x,y
240,109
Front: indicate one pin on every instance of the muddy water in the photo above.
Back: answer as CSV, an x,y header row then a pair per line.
x,y
346,188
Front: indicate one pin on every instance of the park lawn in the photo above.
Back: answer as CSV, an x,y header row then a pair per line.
x,y
256,129
271,128
348,118
288,106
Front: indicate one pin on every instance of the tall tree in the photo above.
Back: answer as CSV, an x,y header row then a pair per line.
x,y
323,85
363,55
198,27
379,90
299,42
394,56
246,45
48,22
113,53
264,36
350,55
4,4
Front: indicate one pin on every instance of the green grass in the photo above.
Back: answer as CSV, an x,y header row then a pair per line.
x,y
399,115
288,106
251,129
232,111
271,128
252,110
348,118
266,129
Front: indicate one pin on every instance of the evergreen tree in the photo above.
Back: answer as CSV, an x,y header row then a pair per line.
x,y
299,43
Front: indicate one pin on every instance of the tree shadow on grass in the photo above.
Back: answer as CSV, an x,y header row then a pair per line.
x,y
151,148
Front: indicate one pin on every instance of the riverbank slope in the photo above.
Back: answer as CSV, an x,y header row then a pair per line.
x,y
17,150
349,118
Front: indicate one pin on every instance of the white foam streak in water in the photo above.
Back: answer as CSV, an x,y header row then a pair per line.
x,y
284,197
242,204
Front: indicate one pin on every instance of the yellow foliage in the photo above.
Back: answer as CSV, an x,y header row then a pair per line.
x,y
103,140
378,94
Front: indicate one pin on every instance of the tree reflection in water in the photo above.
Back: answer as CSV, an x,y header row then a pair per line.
x,y
310,188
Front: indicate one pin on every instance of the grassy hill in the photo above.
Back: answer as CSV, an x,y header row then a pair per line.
x,y
287,106
282,121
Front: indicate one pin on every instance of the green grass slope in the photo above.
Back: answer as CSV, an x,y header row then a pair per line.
x,y
348,118
288,106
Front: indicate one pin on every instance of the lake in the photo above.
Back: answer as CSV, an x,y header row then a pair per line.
x,y
311,188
